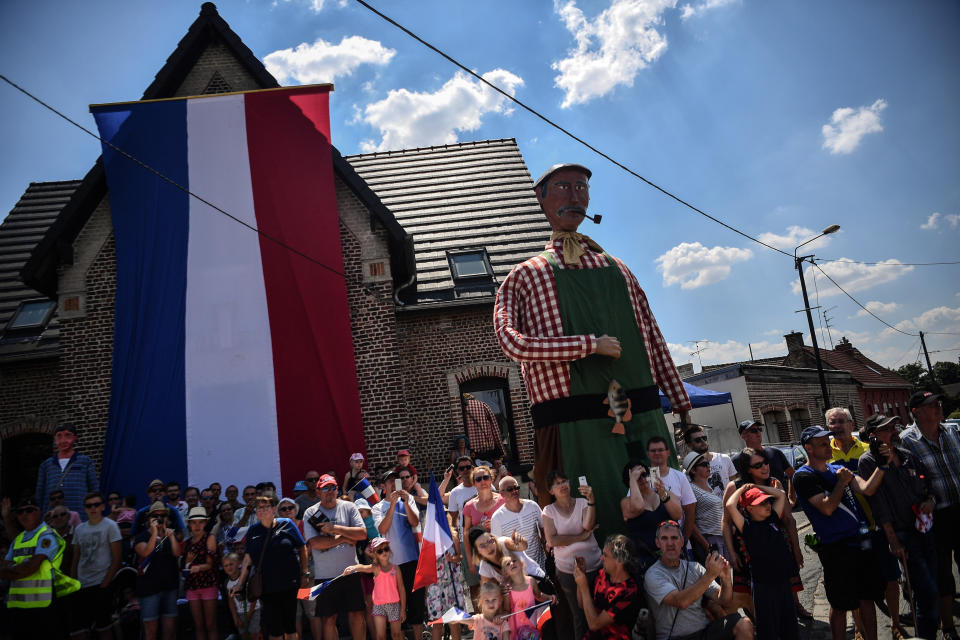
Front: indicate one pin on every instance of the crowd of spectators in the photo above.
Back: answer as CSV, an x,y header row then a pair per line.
x,y
711,549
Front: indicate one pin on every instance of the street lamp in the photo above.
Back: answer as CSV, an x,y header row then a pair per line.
x,y
798,262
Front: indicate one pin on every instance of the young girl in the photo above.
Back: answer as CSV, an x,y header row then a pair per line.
x,y
524,593
771,562
246,615
200,575
488,624
389,597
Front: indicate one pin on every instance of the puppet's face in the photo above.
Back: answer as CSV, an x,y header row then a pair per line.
x,y
566,199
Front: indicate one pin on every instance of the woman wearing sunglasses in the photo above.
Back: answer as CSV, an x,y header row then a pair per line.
x,y
644,508
479,510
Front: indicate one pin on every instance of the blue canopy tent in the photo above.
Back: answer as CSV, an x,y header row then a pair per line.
x,y
699,398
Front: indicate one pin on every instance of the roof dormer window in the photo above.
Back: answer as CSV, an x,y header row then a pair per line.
x,y
470,266
31,315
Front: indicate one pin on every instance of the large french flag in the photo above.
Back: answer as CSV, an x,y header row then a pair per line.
x,y
436,538
233,355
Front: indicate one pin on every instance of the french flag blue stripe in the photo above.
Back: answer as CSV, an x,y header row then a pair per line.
x,y
150,226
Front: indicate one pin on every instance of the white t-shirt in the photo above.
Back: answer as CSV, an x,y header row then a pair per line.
x,y
528,522
240,601
94,541
459,496
677,483
721,471
531,568
565,556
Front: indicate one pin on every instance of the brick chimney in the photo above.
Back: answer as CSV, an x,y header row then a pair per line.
x,y
844,345
794,343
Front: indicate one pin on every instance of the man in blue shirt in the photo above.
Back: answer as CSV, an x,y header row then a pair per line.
x,y
825,491
67,471
396,518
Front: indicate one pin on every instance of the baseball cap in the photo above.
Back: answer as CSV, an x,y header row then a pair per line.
x,y
326,481
356,456
378,542
300,486
921,398
290,500
746,424
29,501
557,167
815,431
753,496
690,460
403,452
878,420
361,503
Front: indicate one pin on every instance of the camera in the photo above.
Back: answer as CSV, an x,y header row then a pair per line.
x,y
317,520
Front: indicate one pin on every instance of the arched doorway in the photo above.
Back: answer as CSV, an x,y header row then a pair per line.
x,y
22,455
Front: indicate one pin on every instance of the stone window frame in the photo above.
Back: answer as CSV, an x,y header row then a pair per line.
x,y
455,377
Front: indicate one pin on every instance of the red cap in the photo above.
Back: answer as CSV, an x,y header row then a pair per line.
x,y
403,452
326,481
754,496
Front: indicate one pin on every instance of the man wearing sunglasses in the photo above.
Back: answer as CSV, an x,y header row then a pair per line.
x,y
96,559
29,565
311,496
722,470
156,491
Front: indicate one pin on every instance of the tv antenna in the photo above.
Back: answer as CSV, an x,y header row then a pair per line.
x,y
699,349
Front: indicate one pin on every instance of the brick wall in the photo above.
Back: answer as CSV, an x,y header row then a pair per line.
x,y
454,344
216,59
766,397
29,397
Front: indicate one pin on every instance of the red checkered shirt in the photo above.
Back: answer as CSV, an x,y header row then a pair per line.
x,y
528,325
483,430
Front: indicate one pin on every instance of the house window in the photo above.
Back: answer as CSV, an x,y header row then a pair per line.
x,y
470,265
488,417
31,315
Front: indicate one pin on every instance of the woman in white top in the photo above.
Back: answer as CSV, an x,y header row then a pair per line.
x,y
568,525
709,511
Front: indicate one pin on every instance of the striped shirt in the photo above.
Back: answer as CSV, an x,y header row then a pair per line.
x,y
940,459
529,522
77,480
528,325
709,511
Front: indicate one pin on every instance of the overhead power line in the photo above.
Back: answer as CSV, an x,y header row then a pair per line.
x,y
889,264
857,302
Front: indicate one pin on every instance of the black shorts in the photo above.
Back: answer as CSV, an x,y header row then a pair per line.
x,y
850,575
946,523
91,608
346,594
416,600
278,613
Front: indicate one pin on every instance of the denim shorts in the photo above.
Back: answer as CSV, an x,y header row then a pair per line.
x,y
159,604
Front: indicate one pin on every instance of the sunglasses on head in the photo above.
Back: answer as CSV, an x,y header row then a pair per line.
x,y
759,464
92,505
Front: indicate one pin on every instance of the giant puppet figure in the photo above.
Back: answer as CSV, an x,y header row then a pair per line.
x,y
592,355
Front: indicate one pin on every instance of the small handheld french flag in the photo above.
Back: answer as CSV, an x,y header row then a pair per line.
x,y
311,593
437,539
366,490
452,615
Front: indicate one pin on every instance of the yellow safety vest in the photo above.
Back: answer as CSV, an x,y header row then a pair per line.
x,y
37,589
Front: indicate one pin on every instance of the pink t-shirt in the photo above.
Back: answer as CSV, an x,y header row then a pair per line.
x,y
385,587
520,600
484,630
480,518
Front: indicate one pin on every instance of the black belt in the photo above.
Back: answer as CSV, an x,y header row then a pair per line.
x,y
590,407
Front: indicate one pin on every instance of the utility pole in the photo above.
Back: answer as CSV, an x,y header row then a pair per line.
x,y
927,354
813,332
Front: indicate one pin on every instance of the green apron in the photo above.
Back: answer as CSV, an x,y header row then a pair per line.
x,y
597,301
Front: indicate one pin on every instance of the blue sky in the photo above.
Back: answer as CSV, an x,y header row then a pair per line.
x,y
778,118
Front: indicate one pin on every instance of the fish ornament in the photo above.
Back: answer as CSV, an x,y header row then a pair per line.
x,y
619,406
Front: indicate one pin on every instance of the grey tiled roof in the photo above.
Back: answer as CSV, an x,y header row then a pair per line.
x,y
462,196
19,234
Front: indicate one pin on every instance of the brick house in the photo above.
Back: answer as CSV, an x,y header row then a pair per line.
x,y
427,235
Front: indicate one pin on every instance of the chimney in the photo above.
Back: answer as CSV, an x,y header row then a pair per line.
x,y
794,342
685,370
844,345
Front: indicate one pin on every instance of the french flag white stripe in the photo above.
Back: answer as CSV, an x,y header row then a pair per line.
x,y
231,413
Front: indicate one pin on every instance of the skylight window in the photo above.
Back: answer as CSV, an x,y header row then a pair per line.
x,y
32,314
470,265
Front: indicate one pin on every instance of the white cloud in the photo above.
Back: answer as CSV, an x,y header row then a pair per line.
x,y
933,222
688,11
692,265
848,126
611,49
325,62
415,119
882,309
851,276
795,235
316,5
941,318
729,351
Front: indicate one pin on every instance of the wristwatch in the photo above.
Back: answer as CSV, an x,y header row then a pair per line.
x,y
667,499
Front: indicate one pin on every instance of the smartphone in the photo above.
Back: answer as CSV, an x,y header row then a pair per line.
x,y
654,476
582,563
583,481
399,484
